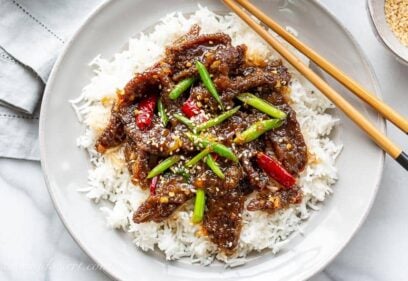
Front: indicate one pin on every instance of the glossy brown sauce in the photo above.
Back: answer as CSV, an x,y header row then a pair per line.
x,y
233,73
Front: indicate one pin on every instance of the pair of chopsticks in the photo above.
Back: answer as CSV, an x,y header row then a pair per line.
x,y
386,111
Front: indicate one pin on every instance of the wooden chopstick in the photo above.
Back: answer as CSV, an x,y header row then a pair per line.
x,y
382,140
385,110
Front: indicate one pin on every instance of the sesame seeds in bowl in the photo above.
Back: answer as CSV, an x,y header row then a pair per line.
x,y
396,14
389,19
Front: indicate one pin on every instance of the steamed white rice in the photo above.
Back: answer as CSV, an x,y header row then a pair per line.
x,y
109,179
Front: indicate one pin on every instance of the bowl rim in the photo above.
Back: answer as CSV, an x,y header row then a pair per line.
x,y
47,93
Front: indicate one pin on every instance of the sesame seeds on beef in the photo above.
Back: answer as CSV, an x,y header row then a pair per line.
x,y
232,74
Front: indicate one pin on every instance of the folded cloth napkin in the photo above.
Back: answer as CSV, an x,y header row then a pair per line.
x,y
21,88
32,33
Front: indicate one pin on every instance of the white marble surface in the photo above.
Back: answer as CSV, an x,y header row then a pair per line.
x,y
35,246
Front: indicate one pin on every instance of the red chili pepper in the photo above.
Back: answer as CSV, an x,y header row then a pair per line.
x,y
146,112
153,185
190,108
274,169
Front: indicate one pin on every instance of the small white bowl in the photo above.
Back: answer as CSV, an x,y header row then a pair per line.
x,y
383,32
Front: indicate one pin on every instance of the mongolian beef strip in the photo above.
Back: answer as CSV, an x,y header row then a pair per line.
x,y
223,219
289,146
256,177
139,163
201,96
214,185
113,135
182,56
270,201
273,76
193,32
157,140
146,83
171,193
288,143
246,152
232,74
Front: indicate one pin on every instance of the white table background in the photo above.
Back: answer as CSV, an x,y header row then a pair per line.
x,y
34,245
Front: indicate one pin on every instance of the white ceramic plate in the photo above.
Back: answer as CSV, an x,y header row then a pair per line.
x,y
65,166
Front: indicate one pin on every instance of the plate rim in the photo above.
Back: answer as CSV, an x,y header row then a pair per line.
x,y
44,165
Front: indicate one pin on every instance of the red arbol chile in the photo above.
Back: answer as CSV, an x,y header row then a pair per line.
x,y
145,112
190,108
153,185
274,169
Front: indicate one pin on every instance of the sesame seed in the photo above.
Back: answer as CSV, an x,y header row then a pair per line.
x,y
397,18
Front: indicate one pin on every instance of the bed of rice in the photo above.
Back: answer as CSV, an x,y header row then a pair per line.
x,y
108,180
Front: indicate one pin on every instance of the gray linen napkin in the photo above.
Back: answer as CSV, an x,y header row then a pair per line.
x,y
32,33
21,88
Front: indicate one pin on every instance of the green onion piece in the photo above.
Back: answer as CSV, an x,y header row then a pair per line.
x,y
181,87
262,105
199,206
198,157
214,167
218,148
217,120
163,166
184,120
208,83
162,113
257,129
